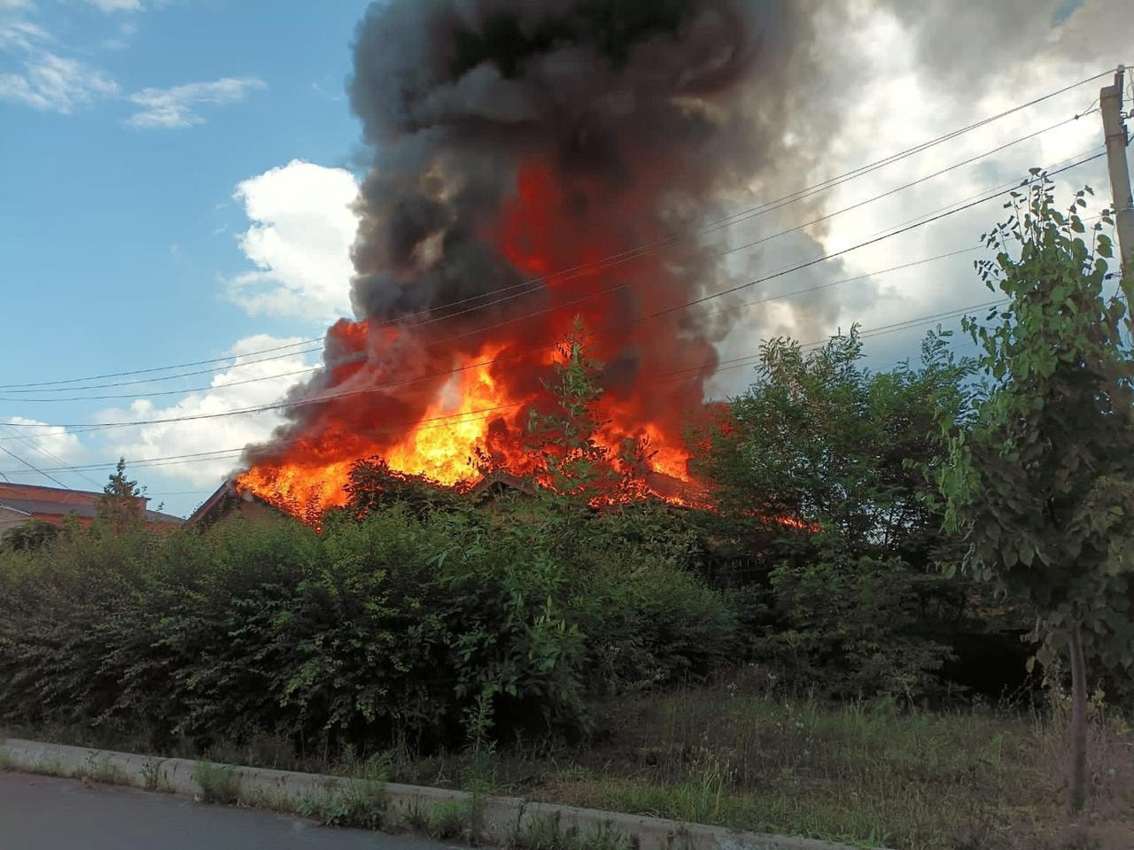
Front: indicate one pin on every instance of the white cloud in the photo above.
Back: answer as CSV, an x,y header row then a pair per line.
x,y
900,99
43,446
116,5
19,34
54,83
227,392
14,5
175,107
302,230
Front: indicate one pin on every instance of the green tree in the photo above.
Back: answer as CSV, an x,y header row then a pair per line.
x,y
122,503
825,472
1042,486
571,460
821,438
31,535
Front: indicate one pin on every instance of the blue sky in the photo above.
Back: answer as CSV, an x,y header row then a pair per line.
x,y
175,181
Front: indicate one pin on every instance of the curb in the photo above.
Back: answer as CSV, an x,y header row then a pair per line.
x,y
500,820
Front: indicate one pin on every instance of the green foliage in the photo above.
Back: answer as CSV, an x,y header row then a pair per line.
x,y
33,534
432,629
819,438
122,503
359,803
849,627
1042,486
825,472
546,832
218,783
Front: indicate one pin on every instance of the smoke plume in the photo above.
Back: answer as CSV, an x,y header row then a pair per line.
x,y
517,147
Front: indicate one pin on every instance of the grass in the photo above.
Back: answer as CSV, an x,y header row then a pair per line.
x,y
357,801
866,774
218,783
547,833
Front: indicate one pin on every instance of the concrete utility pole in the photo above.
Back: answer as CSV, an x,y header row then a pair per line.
x,y
1110,104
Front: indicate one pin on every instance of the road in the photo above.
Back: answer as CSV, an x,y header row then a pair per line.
x,y
45,813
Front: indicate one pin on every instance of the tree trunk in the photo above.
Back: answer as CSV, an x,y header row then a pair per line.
x,y
1077,778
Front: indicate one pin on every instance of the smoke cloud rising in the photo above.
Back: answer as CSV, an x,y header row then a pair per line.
x,y
512,141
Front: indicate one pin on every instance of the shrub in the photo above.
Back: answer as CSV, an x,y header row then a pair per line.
x,y
848,628
426,627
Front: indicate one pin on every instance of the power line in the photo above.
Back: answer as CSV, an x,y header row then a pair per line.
x,y
555,308
728,220
33,467
29,442
781,296
665,311
722,365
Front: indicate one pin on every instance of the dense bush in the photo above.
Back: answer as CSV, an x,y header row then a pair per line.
x,y
849,628
423,626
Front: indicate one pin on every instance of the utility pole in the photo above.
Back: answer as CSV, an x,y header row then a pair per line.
x,y
1110,104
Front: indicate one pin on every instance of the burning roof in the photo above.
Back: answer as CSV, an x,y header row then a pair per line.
x,y
519,150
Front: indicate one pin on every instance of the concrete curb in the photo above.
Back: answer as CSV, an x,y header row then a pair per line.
x,y
500,820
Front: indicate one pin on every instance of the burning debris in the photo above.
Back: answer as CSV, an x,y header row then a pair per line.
x,y
532,163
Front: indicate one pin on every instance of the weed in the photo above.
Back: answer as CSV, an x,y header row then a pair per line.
x,y
153,777
218,783
417,819
451,821
6,760
357,803
547,833
99,769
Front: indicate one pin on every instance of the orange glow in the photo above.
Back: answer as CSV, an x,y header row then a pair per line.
x,y
430,403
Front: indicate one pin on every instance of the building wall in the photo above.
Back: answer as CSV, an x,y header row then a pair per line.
x,y
11,519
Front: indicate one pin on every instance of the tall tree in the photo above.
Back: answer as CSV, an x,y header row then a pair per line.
x,y
1042,486
821,438
122,502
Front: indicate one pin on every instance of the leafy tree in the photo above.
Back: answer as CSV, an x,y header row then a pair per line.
x,y
122,504
825,474
1042,487
571,460
820,438
33,534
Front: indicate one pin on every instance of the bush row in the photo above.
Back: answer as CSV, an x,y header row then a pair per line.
x,y
425,628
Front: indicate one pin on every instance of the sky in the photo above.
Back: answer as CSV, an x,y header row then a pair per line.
x,y
176,181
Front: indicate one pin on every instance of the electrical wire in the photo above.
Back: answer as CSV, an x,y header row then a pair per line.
x,y
299,403
722,365
790,198
555,308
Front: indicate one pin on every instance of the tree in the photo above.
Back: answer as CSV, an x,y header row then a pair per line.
x,y
825,472
29,536
571,460
1042,486
820,438
123,501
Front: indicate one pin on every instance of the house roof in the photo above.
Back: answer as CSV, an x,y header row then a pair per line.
x,y
221,501
35,500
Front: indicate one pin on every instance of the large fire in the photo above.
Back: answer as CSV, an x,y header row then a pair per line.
x,y
473,401
534,164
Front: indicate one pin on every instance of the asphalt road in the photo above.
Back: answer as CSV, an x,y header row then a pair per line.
x,y
45,813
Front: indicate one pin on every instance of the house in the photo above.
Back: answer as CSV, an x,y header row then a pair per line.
x,y
20,503
227,500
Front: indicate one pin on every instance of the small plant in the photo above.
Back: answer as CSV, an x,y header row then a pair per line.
x,y
153,778
355,803
547,833
450,821
6,762
218,783
99,769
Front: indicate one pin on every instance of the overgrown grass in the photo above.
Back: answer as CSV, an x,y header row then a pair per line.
x,y
358,801
218,783
547,833
863,773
